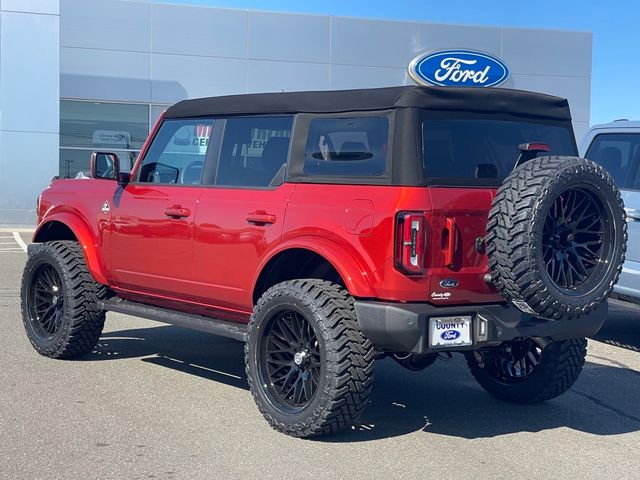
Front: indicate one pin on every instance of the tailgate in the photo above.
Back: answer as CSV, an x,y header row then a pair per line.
x,y
457,258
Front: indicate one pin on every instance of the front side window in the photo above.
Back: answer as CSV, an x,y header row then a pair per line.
x,y
484,151
351,147
177,153
619,154
254,151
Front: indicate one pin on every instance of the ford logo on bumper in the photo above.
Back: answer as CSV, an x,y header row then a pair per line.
x,y
449,335
458,68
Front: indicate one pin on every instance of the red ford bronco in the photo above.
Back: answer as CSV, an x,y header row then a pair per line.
x,y
328,229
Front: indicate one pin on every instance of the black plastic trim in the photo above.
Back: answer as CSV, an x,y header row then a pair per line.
x,y
237,331
403,327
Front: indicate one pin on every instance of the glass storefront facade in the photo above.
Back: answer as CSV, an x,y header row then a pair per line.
x,y
87,126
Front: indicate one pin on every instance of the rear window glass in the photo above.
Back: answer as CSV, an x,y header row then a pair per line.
x,y
254,151
484,151
353,147
619,154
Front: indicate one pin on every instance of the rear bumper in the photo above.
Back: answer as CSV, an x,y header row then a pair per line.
x,y
399,327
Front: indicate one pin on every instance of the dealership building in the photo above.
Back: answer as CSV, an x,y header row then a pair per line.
x,y
80,75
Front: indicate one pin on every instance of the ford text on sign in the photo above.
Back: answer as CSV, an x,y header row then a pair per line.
x,y
458,68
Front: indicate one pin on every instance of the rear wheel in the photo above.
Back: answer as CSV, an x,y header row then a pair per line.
x,y
309,367
59,301
523,372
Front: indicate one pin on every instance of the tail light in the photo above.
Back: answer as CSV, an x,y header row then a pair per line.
x,y
410,242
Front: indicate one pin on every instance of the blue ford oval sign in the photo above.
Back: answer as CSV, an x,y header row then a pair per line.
x,y
464,68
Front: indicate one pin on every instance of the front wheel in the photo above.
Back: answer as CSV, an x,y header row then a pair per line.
x,y
523,372
60,301
309,367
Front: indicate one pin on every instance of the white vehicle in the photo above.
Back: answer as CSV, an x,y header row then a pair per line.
x,y
616,146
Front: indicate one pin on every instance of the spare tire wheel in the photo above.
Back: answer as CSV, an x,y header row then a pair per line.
x,y
556,237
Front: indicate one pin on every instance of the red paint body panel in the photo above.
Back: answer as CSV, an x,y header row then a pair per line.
x,y
229,247
469,209
151,251
212,258
77,204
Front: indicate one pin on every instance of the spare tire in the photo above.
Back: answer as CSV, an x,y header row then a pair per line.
x,y
556,237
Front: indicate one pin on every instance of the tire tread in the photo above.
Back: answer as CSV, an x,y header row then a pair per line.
x,y
349,359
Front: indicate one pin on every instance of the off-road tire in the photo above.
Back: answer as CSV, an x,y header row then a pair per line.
x,y
515,230
81,319
347,370
559,367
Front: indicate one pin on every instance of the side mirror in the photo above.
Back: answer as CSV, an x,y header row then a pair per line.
x,y
105,165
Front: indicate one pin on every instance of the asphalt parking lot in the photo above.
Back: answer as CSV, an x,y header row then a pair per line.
x,y
156,401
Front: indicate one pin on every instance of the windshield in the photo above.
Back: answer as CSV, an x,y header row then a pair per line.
x,y
484,151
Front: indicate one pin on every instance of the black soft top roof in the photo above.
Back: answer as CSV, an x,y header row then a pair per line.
x,y
466,99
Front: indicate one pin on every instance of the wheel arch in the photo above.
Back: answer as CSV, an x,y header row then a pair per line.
x,y
67,226
311,258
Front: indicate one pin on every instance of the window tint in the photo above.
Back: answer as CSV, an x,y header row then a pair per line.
x,y
354,147
177,153
254,151
619,154
485,150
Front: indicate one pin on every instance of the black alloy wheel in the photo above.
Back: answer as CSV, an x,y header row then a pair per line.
x,y
291,361
523,372
59,301
556,237
309,367
576,239
45,301
515,361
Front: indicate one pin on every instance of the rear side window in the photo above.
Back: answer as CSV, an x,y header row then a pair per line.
x,y
483,151
254,151
619,154
177,153
350,147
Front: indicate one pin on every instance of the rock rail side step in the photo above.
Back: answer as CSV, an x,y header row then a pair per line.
x,y
237,331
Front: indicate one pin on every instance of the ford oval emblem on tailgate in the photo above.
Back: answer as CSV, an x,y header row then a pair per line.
x,y
449,283
464,68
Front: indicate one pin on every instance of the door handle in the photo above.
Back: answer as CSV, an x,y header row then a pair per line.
x,y
633,213
177,212
260,217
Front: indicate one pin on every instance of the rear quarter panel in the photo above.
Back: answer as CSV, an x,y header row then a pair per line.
x,y
358,220
357,223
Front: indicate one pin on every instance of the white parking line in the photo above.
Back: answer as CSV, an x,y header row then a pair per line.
x,y
18,238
